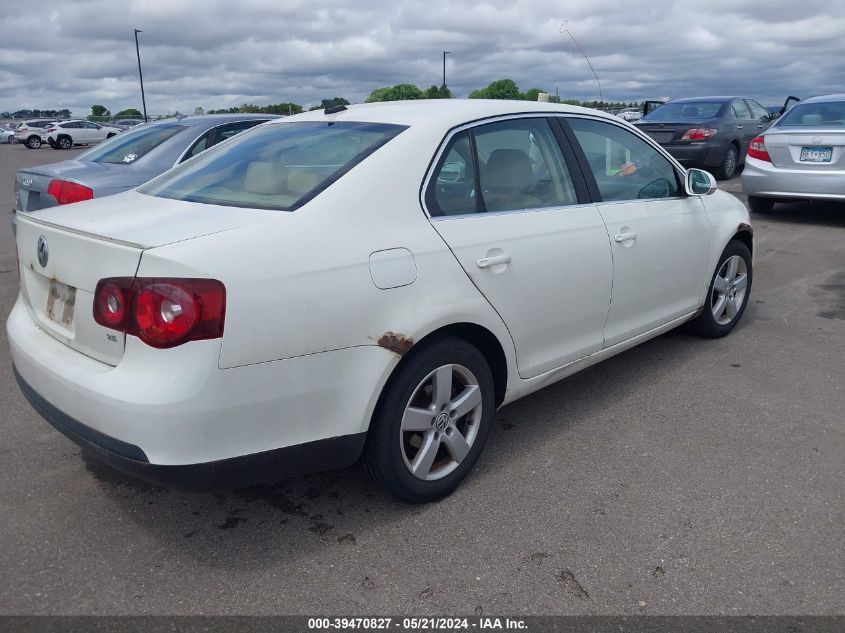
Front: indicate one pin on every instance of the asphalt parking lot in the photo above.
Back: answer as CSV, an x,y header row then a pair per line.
x,y
685,476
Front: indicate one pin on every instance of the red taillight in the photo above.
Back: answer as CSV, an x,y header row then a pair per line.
x,y
50,129
699,134
757,149
66,192
162,312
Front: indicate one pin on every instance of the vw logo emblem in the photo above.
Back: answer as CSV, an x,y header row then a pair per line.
x,y
817,140
441,421
43,251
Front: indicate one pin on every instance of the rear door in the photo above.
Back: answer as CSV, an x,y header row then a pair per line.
x,y
744,124
659,237
509,200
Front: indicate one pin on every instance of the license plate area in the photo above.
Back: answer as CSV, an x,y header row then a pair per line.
x,y
61,300
816,154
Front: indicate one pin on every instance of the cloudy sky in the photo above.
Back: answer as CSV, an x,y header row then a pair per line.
x,y
73,53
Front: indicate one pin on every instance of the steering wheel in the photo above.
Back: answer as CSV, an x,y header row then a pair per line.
x,y
657,188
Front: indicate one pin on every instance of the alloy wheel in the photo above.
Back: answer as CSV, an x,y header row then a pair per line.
x,y
440,422
729,288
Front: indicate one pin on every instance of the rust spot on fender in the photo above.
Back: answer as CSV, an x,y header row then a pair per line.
x,y
397,343
745,227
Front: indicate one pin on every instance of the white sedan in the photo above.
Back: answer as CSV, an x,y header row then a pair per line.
x,y
366,281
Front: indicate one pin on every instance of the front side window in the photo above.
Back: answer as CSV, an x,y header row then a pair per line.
x,y
757,111
278,167
502,166
625,167
128,147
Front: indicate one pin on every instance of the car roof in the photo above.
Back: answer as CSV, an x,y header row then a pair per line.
x,y
446,113
720,99
825,98
192,120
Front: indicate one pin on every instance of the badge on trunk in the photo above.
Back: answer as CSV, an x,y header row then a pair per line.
x,y
43,251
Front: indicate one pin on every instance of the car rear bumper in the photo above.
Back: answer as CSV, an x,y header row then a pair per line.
x,y
697,154
169,417
334,452
761,178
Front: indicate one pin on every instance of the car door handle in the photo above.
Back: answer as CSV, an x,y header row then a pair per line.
x,y
487,262
624,237
739,127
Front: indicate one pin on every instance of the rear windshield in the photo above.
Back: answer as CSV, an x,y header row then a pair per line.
x,y
676,111
279,166
128,147
830,114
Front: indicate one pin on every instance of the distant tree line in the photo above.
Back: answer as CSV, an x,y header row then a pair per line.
x,y
37,114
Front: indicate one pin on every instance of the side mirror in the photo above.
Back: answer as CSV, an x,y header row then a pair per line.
x,y
699,183
775,116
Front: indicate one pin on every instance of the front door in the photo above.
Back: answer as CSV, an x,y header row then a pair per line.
x,y
659,237
518,220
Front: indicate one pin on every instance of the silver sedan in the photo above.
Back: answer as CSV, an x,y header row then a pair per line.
x,y
127,160
802,156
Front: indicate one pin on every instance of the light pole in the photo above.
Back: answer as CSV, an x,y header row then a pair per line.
x,y
140,74
444,67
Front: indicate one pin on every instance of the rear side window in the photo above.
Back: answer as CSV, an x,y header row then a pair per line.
x,y
128,147
740,110
502,166
280,166
624,166
825,114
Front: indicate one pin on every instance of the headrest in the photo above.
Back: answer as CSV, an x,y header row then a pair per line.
x,y
301,181
508,168
264,178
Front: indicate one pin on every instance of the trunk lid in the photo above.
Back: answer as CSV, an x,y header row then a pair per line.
x,y
103,178
671,131
89,241
802,148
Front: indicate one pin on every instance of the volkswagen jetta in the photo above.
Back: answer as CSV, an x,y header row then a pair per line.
x,y
366,281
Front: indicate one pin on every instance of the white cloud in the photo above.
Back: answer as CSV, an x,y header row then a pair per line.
x,y
212,53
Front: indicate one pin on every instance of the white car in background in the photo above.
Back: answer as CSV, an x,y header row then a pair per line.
x,y
367,281
66,134
631,114
33,133
7,134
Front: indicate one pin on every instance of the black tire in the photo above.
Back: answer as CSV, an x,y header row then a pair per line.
x,y
730,161
706,324
760,205
33,142
64,142
383,452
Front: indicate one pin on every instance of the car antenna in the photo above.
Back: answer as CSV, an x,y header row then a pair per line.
x,y
329,107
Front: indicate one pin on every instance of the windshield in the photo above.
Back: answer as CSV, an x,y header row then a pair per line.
x,y
280,166
690,110
132,145
824,114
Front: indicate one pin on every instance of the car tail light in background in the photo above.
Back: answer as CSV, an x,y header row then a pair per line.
x,y
757,149
66,192
51,129
161,312
699,134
